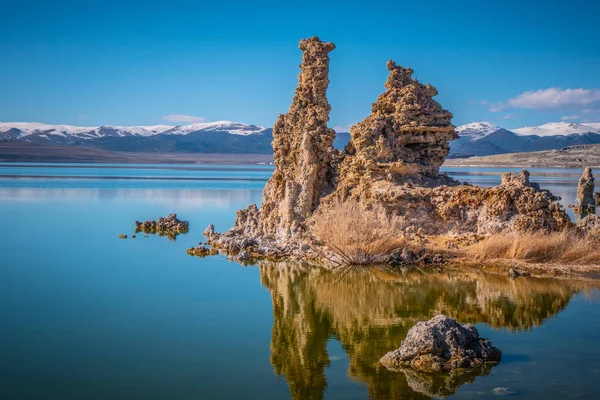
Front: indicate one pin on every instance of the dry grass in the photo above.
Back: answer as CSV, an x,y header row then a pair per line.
x,y
356,234
562,247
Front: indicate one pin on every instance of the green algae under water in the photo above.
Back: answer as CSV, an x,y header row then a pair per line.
x,y
88,315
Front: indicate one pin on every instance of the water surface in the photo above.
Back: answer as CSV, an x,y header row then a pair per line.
x,y
88,315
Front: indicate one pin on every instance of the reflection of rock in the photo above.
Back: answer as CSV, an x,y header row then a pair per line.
x,y
170,226
369,311
442,344
202,251
442,385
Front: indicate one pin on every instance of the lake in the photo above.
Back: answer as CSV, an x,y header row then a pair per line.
x,y
86,315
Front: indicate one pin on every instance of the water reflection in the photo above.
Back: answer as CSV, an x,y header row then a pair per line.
x,y
370,311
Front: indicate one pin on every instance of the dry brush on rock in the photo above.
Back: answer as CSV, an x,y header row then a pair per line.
x,y
389,168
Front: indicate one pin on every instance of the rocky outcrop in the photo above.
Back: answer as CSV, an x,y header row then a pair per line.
x,y
405,139
442,344
392,161
585,202
170,226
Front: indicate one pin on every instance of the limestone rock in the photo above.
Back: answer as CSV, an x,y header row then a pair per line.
x,y
441,344
406,137
303,155
585,201
590,224
170,226
392,160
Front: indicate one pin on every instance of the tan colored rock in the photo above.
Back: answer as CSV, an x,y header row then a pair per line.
x,y
405,139
441,344
585,201
392,160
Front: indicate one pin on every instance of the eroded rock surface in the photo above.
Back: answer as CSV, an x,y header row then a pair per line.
x,y
393,160
442,344
170,226
585,202
405,139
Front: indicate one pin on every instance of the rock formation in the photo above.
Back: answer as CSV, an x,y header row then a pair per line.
x,y
170,226
406,138
392,161
441,344
585,202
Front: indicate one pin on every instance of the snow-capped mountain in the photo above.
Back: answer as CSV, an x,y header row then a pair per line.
x,y
234,128
476,130
484,138
34,131
558,128
23,130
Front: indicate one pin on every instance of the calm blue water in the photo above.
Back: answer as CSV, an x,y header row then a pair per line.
x,y
86,315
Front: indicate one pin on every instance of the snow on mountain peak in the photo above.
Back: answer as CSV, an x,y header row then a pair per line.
x,y
477,130
234,128
24,129
558,128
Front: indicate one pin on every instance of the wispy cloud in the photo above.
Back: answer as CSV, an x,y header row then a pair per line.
x,y
543,99
183,118
82,117
342,128
569,117
555,98
510,116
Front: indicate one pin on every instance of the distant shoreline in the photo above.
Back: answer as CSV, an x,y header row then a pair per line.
x,y
19,152
25,152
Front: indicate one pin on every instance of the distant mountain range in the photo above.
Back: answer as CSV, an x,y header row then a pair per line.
x,y
211,137
475,139
484,138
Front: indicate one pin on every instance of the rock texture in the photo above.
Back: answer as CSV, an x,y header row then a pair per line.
x,y
406,137
441,344
170,226
392,160
585,202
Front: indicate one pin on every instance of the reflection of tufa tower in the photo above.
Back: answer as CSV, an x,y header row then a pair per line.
x,y
370,312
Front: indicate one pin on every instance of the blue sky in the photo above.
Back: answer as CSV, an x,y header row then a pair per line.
x,y
513,63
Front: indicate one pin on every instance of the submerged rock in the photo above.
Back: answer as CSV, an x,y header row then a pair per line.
x,y
442,344
122,236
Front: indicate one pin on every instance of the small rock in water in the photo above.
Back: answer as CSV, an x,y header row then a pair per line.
x,y
503,391
133,236
513,273
122,236
442,344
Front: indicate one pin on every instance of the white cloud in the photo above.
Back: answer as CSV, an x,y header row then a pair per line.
x,y
569,117
81,117
189,119
342,128
590,111
510,116
554,98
